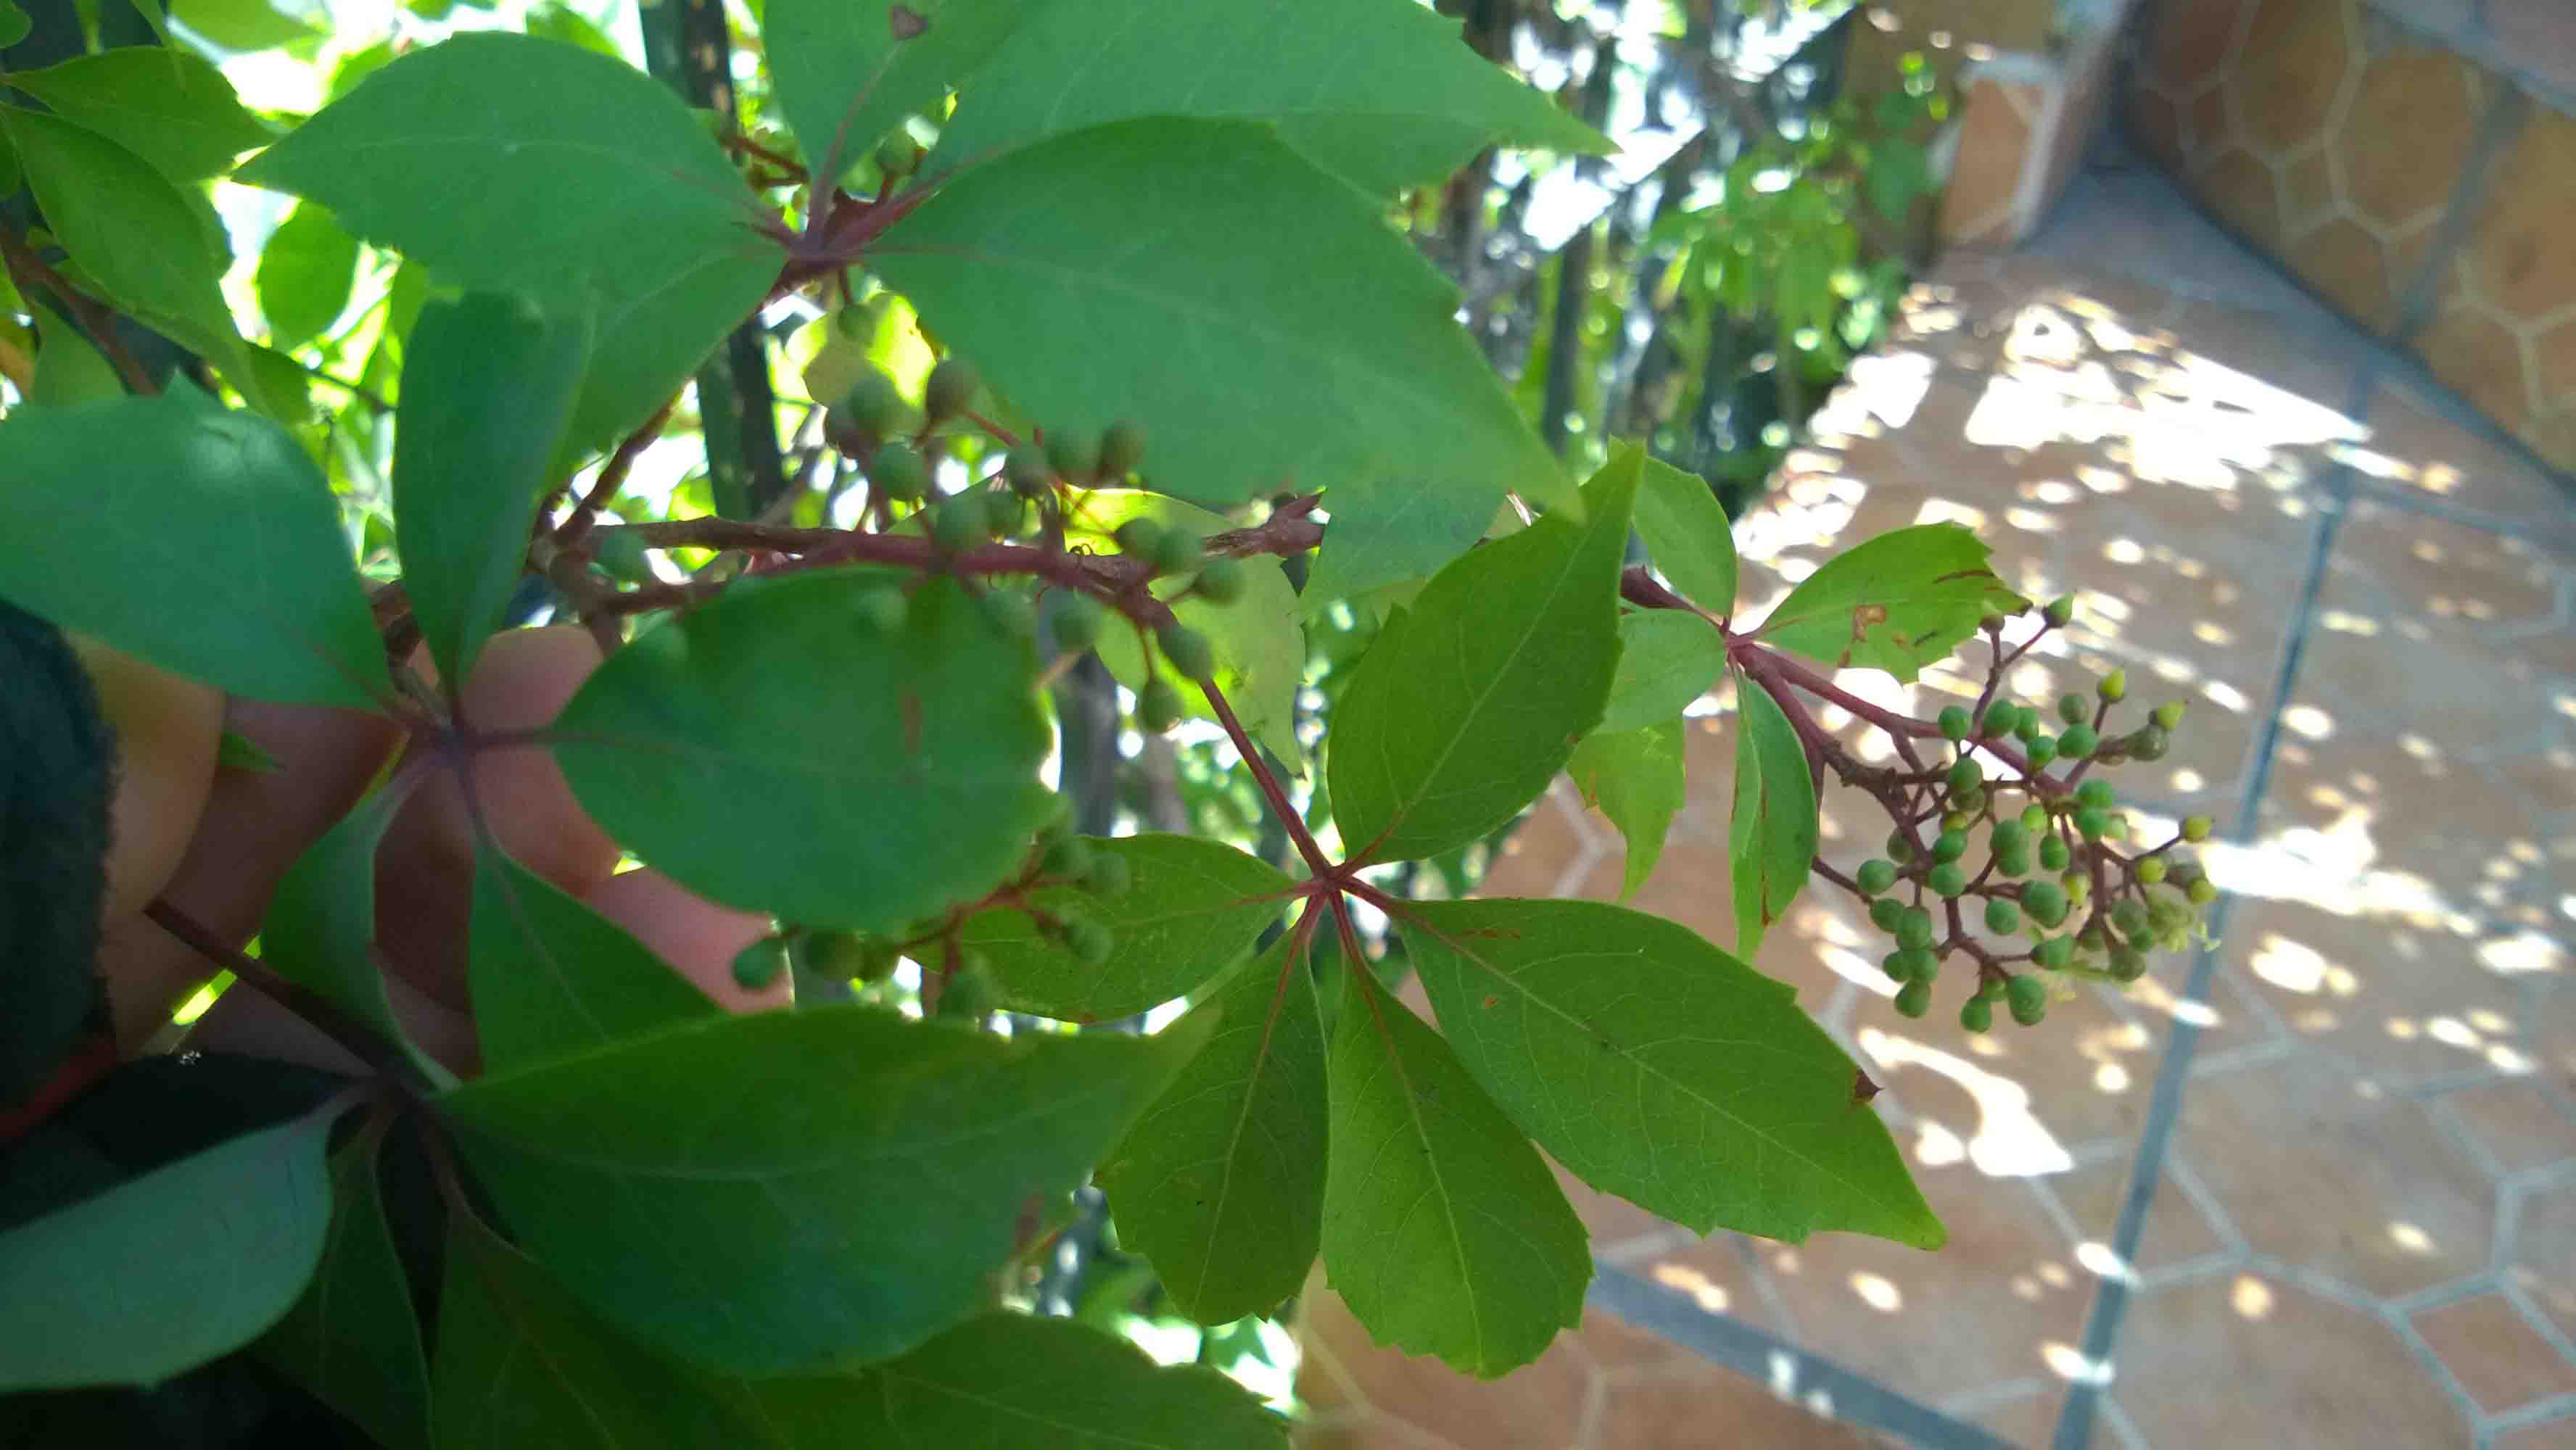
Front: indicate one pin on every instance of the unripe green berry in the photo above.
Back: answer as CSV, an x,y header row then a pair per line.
x,y
1008,513
1876,876
1949,846
1999,718
2202,892
1965,775
2169,714
2073,708
1957,820
971,994
2197,828
2052,852
1220,581
2045,901
1109,875
1176,552
2093,823
1069,456
1122,447
2034,817
2060,611
884,609
756,966
2026,726
898,472
2128,963
872,407
958,524
2079,887
1914,998
1011,613
1025,469
1946,879
2114,686
1066,856
1914,928
1894,964
2002,916
1139,537
1954,722
1077,619
2055,952
1920,964
2098,794
1188,650
1899,848
841,955
2150,743
2077,742
1989,990
1090,941
2027,996
2129,917
2168,914
897,155
950,390
1977,1014
2014,863
1158,706
2009,836
2152,870
1886,912
2041,750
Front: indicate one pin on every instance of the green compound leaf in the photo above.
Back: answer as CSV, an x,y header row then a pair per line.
x,y
306,273
170,107
1443,1229
353,1340
698,1189
487,386
523,165
551,976
1667,659
1896,603
320,931
1388,531
521,1363
100,1293
902,763
1191,909
1204,327
1687,536
222,509
844,78
1656,1067
1635,778
1467,705
1003,1381
1771,836
1221,1182
1260,638
154,249
1379,92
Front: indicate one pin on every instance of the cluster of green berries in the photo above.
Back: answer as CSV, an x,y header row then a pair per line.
x,y
2051,873
1066,859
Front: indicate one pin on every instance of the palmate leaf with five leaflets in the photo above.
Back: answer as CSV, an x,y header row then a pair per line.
x,y
1469,703
1656,1067
1204,326
696,1188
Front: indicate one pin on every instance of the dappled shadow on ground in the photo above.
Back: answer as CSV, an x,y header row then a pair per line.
x,y
2375,1156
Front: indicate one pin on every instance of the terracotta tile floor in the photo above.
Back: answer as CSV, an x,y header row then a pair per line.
x,y
2354,1115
